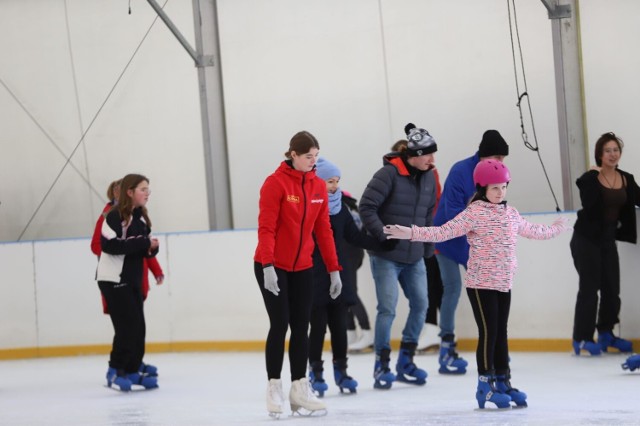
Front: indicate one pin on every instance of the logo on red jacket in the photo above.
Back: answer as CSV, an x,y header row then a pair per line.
x,y
293,199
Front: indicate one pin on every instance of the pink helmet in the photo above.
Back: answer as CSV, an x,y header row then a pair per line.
x,y
490,171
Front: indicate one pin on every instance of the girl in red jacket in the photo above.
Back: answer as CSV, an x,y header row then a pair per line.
x,y
293,207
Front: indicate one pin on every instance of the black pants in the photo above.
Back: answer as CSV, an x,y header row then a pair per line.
x,y
491,312
333,314
434,288
598,269
127,316
291,308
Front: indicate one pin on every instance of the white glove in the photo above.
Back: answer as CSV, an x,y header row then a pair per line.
x,y
397,232
336,284
562,222
271,280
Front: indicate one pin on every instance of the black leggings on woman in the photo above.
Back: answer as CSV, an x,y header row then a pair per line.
x,y
333,314
290,308
491,311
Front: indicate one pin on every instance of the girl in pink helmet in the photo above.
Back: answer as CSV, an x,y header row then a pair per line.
x,y
492,228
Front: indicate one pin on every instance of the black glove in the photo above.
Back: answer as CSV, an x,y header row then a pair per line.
x,y
389,245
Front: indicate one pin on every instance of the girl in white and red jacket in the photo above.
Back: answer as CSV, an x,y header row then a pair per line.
x,y
492,229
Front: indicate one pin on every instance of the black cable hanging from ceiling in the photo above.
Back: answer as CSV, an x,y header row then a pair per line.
x,y
513,25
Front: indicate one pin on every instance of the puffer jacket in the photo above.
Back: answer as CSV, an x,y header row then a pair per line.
x,y
399,194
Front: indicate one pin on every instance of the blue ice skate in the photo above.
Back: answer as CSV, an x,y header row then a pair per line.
x,y
503,384
450,362
591,348
382,374
148,369
343,380
118,381
316,379
632,363
147,382
407,370
607,340
487,392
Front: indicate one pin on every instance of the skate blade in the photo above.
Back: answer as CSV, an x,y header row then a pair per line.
x,y
275,415
492,409
303,412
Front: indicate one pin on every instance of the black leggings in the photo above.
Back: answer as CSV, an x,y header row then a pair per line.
x,y
127,316
291,308
491,312
333,314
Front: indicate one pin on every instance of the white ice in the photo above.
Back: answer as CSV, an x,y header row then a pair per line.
x,y
229,389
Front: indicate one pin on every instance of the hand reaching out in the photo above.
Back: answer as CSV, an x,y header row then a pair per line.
x,y
397,232
563,223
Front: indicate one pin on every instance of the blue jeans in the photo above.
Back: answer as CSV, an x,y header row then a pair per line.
x,y
413,281
452,285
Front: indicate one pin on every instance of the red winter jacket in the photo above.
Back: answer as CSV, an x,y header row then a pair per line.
x,y
293,206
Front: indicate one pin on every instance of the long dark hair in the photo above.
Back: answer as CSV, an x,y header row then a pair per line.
x,y
125,204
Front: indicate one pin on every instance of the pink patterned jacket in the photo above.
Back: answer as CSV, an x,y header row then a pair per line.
x,y
492,231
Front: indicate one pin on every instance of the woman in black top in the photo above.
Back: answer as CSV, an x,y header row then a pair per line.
x,y
608,197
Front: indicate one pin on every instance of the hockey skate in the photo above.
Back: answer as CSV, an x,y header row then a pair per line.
x,y
118,381
343,380
148,369
592,348
632,363
316,378
450,361
487,392
143,381
503,384
382,374
407,371
607,340
303,401
275,398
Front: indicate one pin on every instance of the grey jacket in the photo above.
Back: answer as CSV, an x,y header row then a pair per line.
x,y
399,194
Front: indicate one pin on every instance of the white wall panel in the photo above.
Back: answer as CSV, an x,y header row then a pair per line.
x,y
18,324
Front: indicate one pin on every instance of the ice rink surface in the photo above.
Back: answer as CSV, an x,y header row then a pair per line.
x,y
229,389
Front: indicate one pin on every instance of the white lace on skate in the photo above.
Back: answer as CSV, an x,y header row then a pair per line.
x,y
303,401
275,398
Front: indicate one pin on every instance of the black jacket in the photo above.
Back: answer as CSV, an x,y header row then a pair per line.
x,y
591,217
123,253
345,231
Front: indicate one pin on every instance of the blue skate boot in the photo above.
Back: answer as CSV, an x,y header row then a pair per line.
x,y
148,382
487,392
148,369
382,374
343,380
503,384
592,348
450,361
407,371
118,380
632,363
316,378
607,340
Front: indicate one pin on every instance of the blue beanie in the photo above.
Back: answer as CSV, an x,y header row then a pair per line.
x,y
325,169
